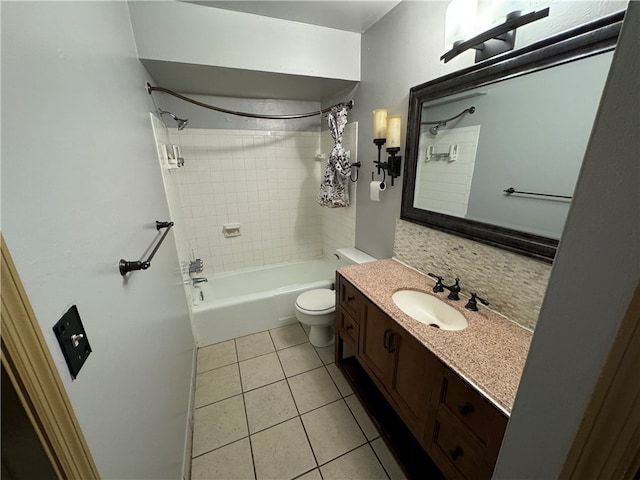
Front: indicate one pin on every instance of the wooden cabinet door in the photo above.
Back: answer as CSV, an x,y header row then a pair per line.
x,y
417,374
374,353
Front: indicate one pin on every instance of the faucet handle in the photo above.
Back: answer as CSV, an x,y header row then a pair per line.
x,y
472,305
438,287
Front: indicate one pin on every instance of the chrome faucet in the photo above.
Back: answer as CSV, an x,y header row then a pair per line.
x,y
197,280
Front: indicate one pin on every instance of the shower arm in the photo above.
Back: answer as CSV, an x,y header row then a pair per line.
x,y
470,110
151,89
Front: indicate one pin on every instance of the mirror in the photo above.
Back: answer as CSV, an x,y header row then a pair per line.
x,y
494,151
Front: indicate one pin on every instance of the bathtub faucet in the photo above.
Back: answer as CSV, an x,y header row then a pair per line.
x,y
197,280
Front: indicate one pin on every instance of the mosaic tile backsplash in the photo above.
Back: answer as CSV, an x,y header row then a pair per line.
x,y
514,284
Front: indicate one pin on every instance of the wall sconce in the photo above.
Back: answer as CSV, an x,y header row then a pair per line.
x,y
387,130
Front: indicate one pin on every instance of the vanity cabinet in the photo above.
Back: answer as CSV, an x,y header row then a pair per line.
x,y
459,429
406,371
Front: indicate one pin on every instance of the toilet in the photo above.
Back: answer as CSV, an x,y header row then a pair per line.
x,y
316,308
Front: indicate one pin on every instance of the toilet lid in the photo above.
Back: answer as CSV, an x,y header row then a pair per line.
x,y
317,300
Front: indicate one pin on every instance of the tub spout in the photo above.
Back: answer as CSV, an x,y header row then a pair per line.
x,y
197,280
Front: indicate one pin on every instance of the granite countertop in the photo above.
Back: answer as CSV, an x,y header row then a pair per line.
x,y
489,354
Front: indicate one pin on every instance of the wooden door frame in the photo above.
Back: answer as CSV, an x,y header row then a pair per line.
x,y
607,444
30,367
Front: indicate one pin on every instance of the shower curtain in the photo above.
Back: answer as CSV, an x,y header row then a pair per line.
x,y
334,189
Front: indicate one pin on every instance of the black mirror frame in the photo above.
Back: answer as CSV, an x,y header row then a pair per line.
x,y
590,39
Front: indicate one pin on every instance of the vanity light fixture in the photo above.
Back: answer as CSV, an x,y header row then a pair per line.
x,y
387,129
496,40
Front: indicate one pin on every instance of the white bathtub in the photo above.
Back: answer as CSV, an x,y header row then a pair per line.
x,y
253,300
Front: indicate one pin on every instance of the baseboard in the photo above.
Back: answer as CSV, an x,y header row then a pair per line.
x,y
188,441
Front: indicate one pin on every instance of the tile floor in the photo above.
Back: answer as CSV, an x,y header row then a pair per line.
x,y
272,406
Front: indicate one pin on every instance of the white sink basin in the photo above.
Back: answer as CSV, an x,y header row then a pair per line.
x,y
429,310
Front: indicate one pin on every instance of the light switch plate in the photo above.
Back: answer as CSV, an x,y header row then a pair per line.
x,y
73,340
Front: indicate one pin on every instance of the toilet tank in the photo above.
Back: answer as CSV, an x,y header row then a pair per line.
x,y
350,256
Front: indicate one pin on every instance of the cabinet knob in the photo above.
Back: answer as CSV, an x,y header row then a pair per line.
x,y
349,327
465,409
351,298
454,454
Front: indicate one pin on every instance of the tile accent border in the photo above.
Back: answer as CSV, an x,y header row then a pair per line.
x,y
514,284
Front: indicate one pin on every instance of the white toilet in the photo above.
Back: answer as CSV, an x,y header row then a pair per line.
x,y
316,307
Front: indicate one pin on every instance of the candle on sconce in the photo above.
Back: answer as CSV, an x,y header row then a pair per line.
x,y
380,123
394,126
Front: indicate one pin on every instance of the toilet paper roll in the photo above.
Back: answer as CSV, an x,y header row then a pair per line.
x,y
374,190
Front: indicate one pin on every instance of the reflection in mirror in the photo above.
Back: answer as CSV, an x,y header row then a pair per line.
x,y
528,117
529,132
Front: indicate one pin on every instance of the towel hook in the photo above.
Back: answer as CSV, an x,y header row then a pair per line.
x,y
357,166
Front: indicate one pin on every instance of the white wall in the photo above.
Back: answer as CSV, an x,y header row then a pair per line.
x,y
591,284
188,33
81,189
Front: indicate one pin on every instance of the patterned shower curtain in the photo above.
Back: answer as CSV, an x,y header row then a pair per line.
x,y
334,189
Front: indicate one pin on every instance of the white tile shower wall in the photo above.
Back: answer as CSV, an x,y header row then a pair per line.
x,y
172,189
339,224
444,185
266,181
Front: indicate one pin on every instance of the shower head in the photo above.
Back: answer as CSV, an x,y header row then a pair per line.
x,y
181,122
434,130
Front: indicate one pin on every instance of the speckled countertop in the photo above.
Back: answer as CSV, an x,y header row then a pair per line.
x,y
489,353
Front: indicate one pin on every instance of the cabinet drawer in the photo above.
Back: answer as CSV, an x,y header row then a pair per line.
x,y
475,412
349,298
348,328
454,446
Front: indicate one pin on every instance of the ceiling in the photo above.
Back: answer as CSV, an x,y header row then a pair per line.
x,y
352,16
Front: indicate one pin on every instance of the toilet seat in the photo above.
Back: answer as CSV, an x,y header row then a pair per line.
x,y
318,301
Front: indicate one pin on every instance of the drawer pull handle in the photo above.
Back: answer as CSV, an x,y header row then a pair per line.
x,y
351,298
465,409
391,349
384,339
349,327
454,454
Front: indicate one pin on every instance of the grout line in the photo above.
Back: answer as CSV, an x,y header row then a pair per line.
x,y
379,459
315,459
246,418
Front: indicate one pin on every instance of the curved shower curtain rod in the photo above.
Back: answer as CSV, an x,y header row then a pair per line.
x,y
150,89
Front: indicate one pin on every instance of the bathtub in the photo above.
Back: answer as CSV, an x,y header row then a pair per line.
x,y
252,300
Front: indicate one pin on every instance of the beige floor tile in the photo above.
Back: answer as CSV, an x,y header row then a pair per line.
x,y
267,406
288,336
332,431
360,464
306,328
363,419
215,356
313,389
326,354
254,345
388,461
260,371
340,381
218,424
312,475
230,462
282,452
298,359
217,384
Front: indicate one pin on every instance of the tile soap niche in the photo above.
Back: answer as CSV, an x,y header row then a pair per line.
x,y
231,230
